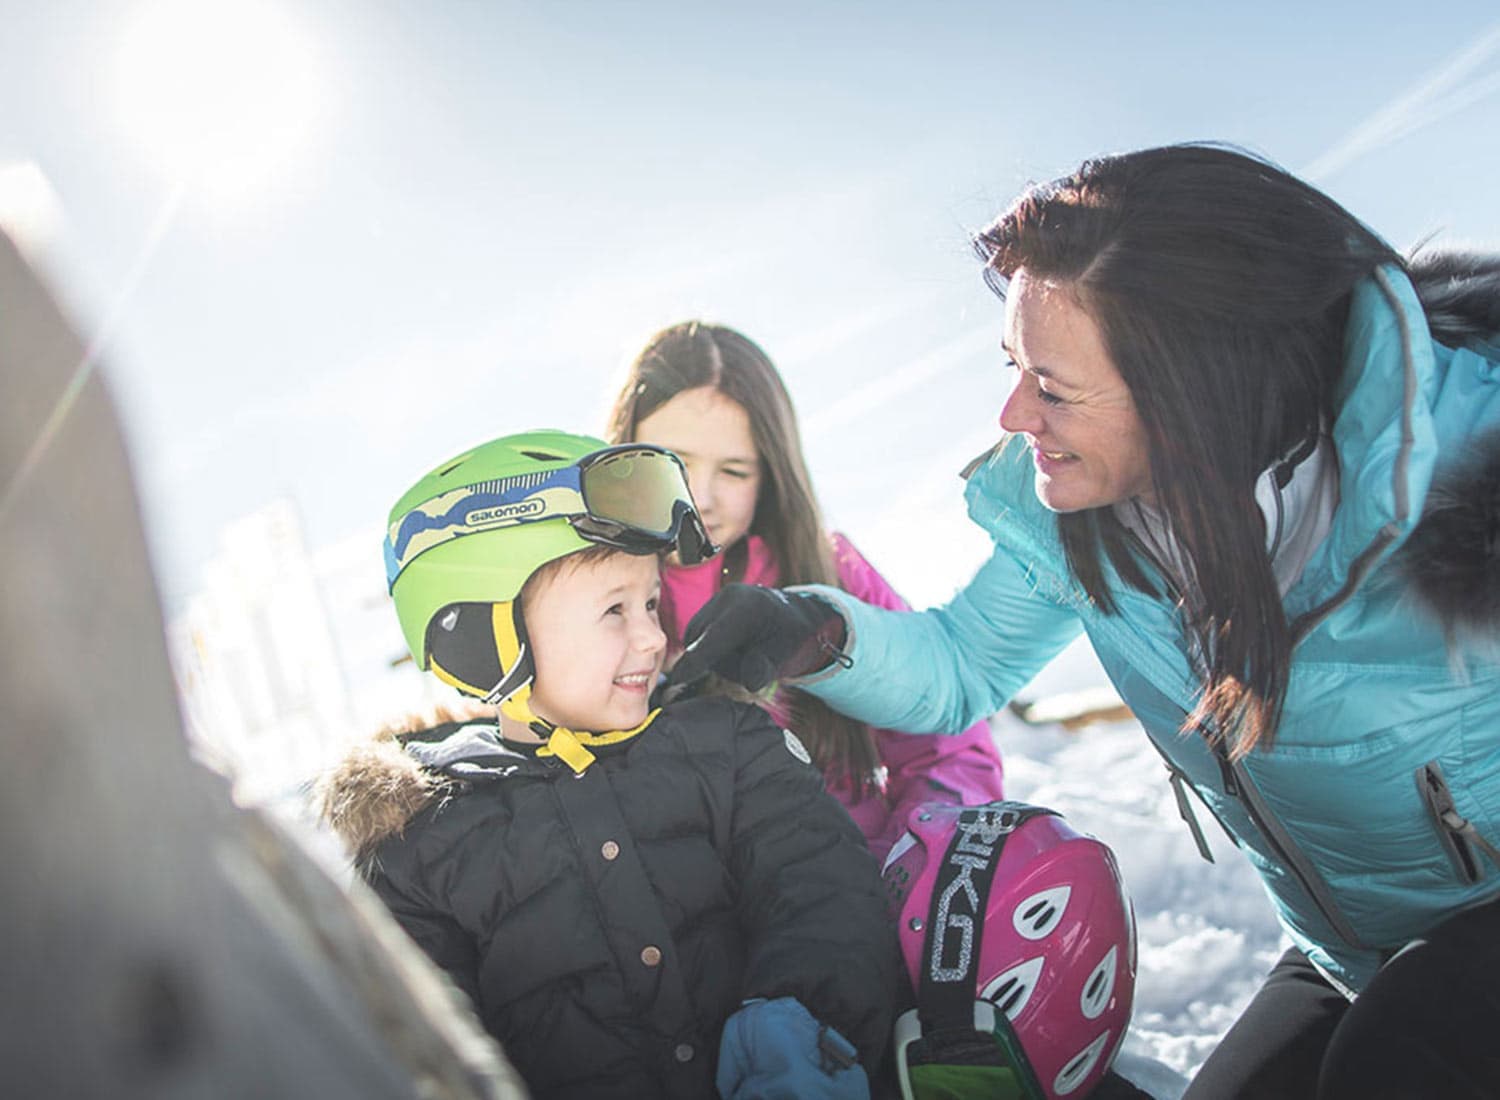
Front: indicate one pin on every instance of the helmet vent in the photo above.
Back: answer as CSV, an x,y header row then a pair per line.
x,y
1038,915
1100,986
544,456
1011,991
1079,1066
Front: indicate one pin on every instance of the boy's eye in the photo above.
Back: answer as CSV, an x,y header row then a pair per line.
x,y
615,609
653,603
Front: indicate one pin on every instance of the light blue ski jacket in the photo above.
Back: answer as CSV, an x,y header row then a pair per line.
x,y
1376,811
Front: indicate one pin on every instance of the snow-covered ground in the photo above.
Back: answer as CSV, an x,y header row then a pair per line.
x,y
1206,932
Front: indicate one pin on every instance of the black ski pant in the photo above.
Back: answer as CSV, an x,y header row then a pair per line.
x,y
1427,1026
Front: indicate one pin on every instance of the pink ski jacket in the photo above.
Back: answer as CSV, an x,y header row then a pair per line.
x,y
963,769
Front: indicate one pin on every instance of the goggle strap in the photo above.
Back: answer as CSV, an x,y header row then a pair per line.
x,y
955,922
535,497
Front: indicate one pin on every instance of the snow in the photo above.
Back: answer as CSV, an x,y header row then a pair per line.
x,y
1206,933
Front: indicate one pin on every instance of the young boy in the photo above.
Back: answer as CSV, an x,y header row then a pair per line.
x,y
640,902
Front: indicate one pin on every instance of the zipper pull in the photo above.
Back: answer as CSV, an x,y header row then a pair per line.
x,y
1465,828
1185,809
1440,804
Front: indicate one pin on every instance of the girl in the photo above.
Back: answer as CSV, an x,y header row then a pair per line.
x,y
713,396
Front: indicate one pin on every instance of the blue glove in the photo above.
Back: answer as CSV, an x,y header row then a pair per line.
x,y
775,1050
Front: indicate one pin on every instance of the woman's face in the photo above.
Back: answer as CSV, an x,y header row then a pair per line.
x,y
1070,403
711,434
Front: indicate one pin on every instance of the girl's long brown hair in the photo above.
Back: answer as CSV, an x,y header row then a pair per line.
x,y
693,355
1221,285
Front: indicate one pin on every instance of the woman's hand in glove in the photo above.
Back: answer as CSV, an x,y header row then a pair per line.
x,y
754,636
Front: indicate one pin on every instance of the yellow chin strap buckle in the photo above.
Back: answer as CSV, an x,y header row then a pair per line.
x,y
572,748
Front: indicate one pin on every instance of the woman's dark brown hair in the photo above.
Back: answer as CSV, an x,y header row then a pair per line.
x,y
693,355
1221,285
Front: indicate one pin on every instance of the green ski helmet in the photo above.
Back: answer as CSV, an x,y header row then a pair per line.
x,y
465,538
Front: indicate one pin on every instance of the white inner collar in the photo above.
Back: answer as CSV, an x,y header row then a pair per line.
x,y
1297,519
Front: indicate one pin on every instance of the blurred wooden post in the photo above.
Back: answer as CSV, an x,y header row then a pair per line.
x,y
155,940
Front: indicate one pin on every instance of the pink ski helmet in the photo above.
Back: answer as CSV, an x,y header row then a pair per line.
x,y
1020,944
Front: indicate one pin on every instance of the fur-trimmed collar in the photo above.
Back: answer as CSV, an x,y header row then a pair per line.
x,y
378,787
1453,556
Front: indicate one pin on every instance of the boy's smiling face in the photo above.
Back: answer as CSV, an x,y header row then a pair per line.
x,y
596,642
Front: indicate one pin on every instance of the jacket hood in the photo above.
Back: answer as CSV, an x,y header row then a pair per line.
x,y
382,783
1452,558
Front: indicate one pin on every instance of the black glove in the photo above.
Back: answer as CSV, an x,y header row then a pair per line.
x,y
755,635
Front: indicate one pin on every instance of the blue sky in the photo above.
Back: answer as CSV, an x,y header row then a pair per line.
x,y
494,203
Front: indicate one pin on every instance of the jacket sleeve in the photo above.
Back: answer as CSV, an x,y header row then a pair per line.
x,y
435,931
809,893
945,668
962,768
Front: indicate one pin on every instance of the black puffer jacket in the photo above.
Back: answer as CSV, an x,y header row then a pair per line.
x,y
606,926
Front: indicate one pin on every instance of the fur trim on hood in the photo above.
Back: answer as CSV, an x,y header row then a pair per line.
x,y
377,788
1453,556
1460,293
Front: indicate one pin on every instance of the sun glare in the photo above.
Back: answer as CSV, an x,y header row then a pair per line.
x,y
30,212
219,96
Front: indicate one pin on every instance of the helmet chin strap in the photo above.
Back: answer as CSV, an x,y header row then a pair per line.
x,y
510,659
570,746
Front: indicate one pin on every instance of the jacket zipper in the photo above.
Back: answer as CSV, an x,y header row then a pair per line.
x,y
1458,835
1286,849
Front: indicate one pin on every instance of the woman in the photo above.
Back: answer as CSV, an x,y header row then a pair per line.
x,y
1255,457
714,397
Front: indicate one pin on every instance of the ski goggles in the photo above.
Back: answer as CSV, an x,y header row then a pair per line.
x,y
633,496
963,1063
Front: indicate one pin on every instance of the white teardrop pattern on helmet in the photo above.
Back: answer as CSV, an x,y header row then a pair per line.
x,y
1079,1066
1038,915
903,845
1100,986
1011,990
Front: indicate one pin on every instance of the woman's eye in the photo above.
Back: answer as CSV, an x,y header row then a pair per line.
x,y
738,475
1049,397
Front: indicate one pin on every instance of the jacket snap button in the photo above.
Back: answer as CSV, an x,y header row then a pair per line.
x,y
651,955
684,1052
609,849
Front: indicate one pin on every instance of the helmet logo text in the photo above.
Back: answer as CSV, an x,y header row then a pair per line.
x,y
958,910
505,513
